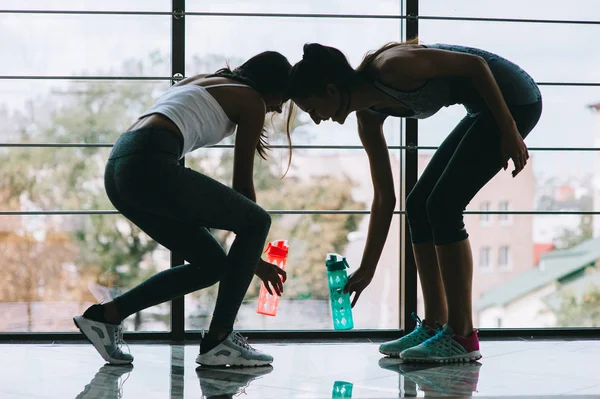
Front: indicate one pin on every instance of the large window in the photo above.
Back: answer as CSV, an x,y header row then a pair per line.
x,y
76,80
72,81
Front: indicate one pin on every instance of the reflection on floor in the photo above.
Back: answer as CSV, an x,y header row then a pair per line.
x,y
352,370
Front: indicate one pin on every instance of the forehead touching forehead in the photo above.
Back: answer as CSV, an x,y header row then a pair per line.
x,y
303,103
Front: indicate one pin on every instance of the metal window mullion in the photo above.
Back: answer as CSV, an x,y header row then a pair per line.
x,y
177,70
408,273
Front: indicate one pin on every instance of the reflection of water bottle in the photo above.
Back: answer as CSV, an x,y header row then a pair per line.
x,y
341,311
342,389
276,254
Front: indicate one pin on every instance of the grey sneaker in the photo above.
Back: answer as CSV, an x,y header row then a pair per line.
x,y
106,338
419,335
234,351
228,381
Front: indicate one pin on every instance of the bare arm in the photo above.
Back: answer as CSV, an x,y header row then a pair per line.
x,y
370,129
250,124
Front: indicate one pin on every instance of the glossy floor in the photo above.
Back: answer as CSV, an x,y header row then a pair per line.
x,y
352,370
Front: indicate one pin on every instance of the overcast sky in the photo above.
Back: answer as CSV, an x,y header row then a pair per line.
x,y
98,44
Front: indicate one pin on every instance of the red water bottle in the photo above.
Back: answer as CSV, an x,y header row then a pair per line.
x,y
276,254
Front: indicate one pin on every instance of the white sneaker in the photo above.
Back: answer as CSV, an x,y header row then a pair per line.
x,y
234,351
106,338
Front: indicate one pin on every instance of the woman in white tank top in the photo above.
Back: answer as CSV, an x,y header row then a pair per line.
x,y
176,205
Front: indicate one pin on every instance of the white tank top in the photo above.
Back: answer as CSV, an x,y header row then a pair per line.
x,y
200,118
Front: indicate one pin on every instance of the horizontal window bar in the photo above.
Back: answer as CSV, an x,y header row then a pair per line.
x,y
565,149
487,334
272,211
281,146
307,212
135,78
209,14
521,20
303,15
70,77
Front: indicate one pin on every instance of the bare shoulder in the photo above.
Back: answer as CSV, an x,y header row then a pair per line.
x,y
366,118
400,66
249,106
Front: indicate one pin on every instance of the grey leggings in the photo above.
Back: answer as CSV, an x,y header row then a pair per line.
x,y
175,205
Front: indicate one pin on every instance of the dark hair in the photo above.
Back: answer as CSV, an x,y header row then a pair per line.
x,y
323,65
320,66
267,73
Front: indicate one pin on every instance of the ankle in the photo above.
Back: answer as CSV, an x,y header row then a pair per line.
x,y
217,335
464,331
111,313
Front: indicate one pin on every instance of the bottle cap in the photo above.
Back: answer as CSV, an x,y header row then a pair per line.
x,y
335,262
278,248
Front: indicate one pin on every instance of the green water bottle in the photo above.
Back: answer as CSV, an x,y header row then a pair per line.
x,y
337,277
342,389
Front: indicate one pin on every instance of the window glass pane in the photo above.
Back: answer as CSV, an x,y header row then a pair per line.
x,y
552,280
106,5
531,9
72,111
59,44
379,7
313,173
526,44
53,179
484,257
305,303
55,266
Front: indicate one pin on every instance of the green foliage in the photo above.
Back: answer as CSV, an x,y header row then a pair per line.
x,y
580,309
573,237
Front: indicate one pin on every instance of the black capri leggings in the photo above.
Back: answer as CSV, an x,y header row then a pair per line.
x,y
467,159
175,205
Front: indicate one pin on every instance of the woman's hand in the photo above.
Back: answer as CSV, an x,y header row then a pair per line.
x,y
357,282
513,147
272,274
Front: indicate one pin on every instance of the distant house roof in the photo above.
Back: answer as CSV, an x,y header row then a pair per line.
x,y
539,249
554,266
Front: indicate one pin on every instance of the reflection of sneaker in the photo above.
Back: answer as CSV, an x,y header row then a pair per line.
x,y
445,347
458,379
228,381
107,383
406,370
419,335
234,351
106,338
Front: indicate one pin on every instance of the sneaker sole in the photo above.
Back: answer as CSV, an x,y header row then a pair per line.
x,y
390,354
469,357
236,362
84,328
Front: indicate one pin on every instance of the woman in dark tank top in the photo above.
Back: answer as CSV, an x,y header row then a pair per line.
x,y
503,104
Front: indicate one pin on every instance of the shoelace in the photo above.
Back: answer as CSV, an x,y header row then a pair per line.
x,y
122,382
441,333
416,318
242,341
119,339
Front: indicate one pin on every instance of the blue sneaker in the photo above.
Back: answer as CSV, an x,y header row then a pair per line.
x,y
419,335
